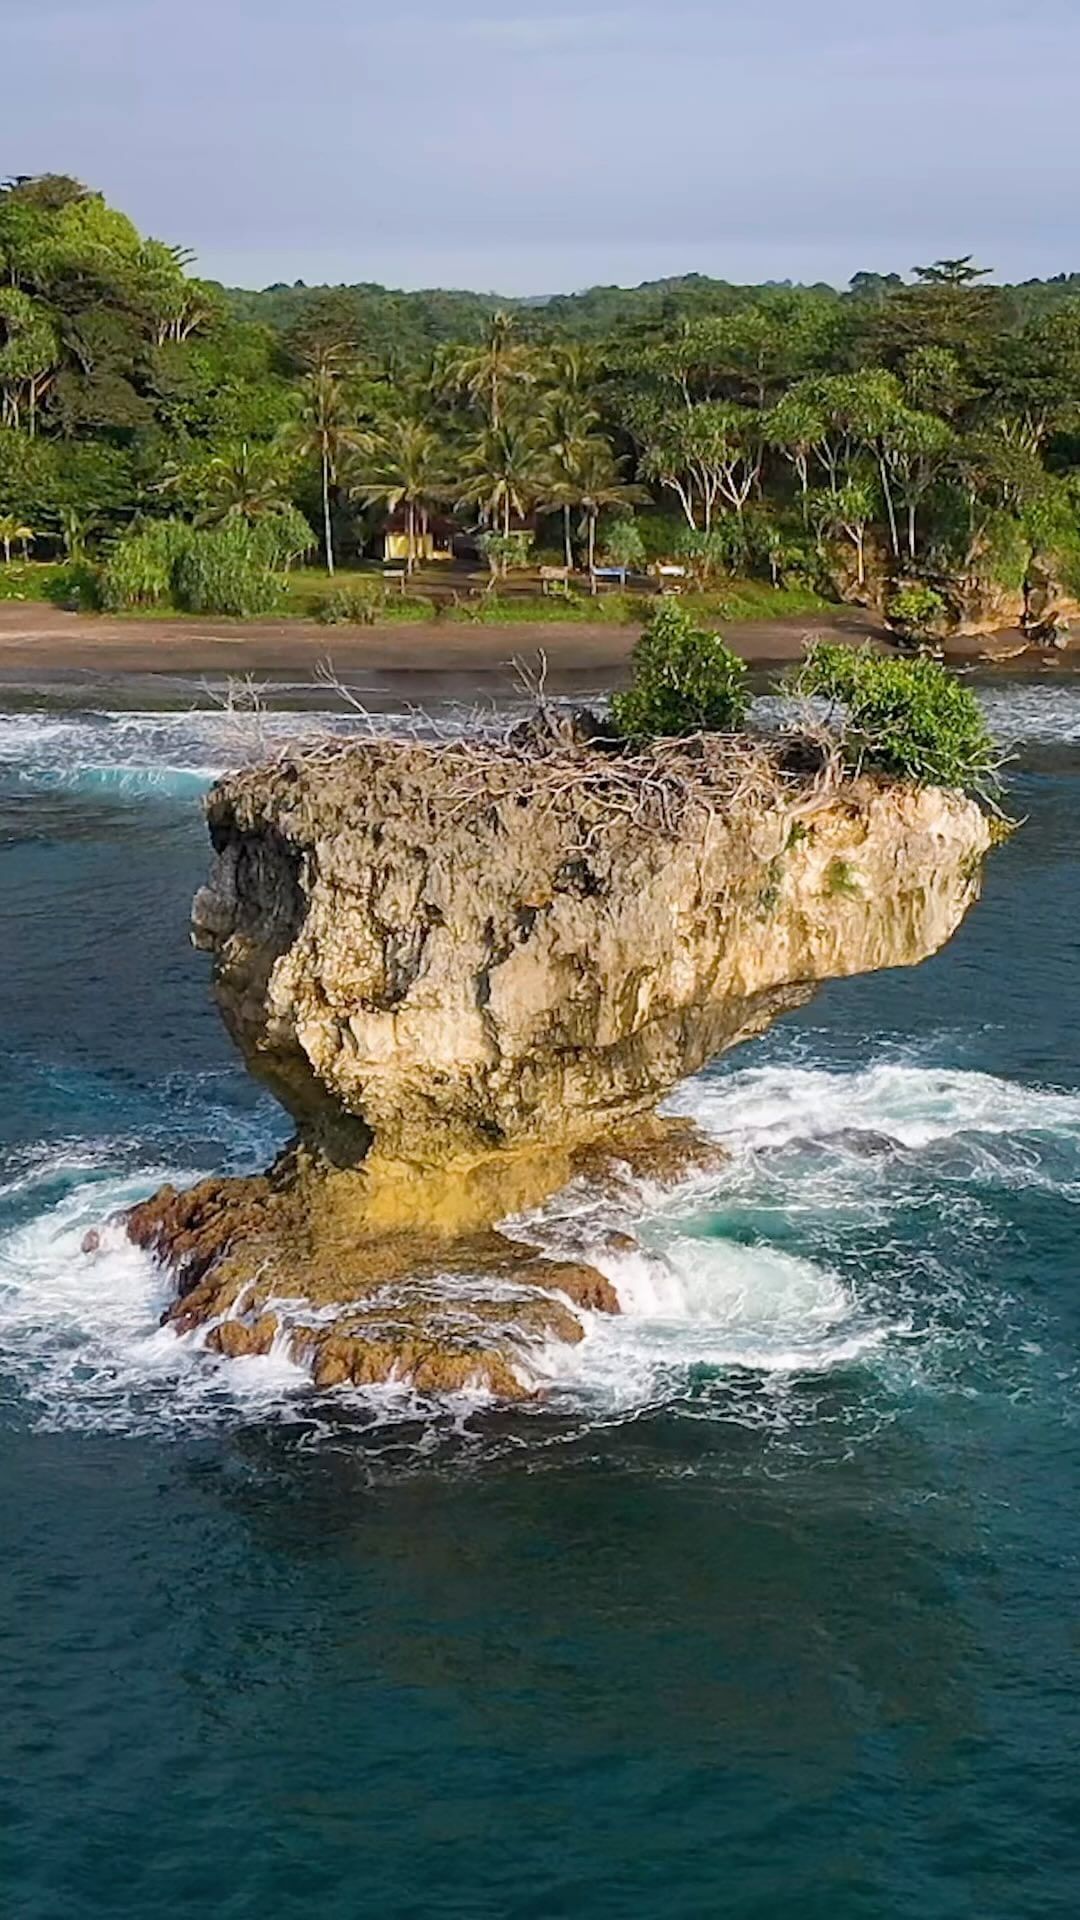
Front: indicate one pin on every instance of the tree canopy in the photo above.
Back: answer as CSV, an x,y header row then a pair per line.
x,y
917,426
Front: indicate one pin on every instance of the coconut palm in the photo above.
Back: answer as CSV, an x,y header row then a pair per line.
x,y
12,529
567,371
489,371
568,423
503,472
325,429
405,467
244,482
589,479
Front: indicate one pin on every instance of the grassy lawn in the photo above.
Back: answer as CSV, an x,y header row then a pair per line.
x,y
462,599
31,579
457,597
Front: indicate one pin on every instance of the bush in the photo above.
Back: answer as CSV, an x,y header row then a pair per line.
x,y
660,533
30,579
282,538
915,611
233,568
506,551
76,587
226,570
685,680
139,570
910,718
621,544
721,550
351,606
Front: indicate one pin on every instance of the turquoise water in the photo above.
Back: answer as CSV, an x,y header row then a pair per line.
x,y
769,1609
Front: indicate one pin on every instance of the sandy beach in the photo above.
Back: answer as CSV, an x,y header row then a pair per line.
x,y
45,642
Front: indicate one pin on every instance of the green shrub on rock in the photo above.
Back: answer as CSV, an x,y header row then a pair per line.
x,y
915,611
910,718
685,681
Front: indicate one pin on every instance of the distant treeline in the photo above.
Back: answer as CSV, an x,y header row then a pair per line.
x,y
907,437
415,323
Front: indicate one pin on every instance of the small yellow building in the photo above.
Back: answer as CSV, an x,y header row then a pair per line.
x,y
433,543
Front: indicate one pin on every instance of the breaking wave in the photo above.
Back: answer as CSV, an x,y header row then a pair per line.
x,y
179,752
823,1275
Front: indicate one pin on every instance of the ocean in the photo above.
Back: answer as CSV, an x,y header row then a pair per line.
x,y
767,1606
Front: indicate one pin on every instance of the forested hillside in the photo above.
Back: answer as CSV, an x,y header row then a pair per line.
x,y
185,444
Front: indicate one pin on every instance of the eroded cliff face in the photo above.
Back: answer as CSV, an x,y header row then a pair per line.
x,y
434,954
471,972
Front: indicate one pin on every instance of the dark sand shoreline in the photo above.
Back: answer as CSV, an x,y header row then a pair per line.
x,y
44,643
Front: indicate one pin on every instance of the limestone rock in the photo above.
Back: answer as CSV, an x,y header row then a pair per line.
x,y
438,953
470,973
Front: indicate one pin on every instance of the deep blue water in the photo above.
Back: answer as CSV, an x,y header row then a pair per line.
x,y
769,1610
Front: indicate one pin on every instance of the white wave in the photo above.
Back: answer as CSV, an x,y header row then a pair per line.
x,y
751,1286
173,751
909,1104
134,751
694,1305
55,1163
1043,713
80,1332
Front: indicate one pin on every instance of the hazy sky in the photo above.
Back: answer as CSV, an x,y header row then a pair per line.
x,y
532,149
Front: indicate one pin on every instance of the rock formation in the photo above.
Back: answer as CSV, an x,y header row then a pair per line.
x,y
470,970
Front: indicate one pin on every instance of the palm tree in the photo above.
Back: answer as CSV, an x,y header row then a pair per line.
x,y
406,468
503,472
567,371
568,423
325,429
487,370
589,478
244,482
12,529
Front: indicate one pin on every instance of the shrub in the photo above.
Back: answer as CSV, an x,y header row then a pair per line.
x,y
907,717
30,579
282,538
621,544
721,550
685,680
225,570
504,551
351,606
660,533
915,611
139,569
75,586
233,568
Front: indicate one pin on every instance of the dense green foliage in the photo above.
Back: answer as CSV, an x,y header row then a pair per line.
x,y
685,680
915,611
902,435
234,568
911,718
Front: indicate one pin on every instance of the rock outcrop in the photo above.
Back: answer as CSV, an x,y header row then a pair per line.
x,y
435,954
464,968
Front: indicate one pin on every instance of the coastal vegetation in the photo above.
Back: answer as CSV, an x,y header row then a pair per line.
x,y
908,718
684,680
911,444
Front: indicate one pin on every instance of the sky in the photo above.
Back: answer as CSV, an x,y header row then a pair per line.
x,y
530,149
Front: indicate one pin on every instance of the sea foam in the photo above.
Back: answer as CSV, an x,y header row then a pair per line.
x,y
748,1289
